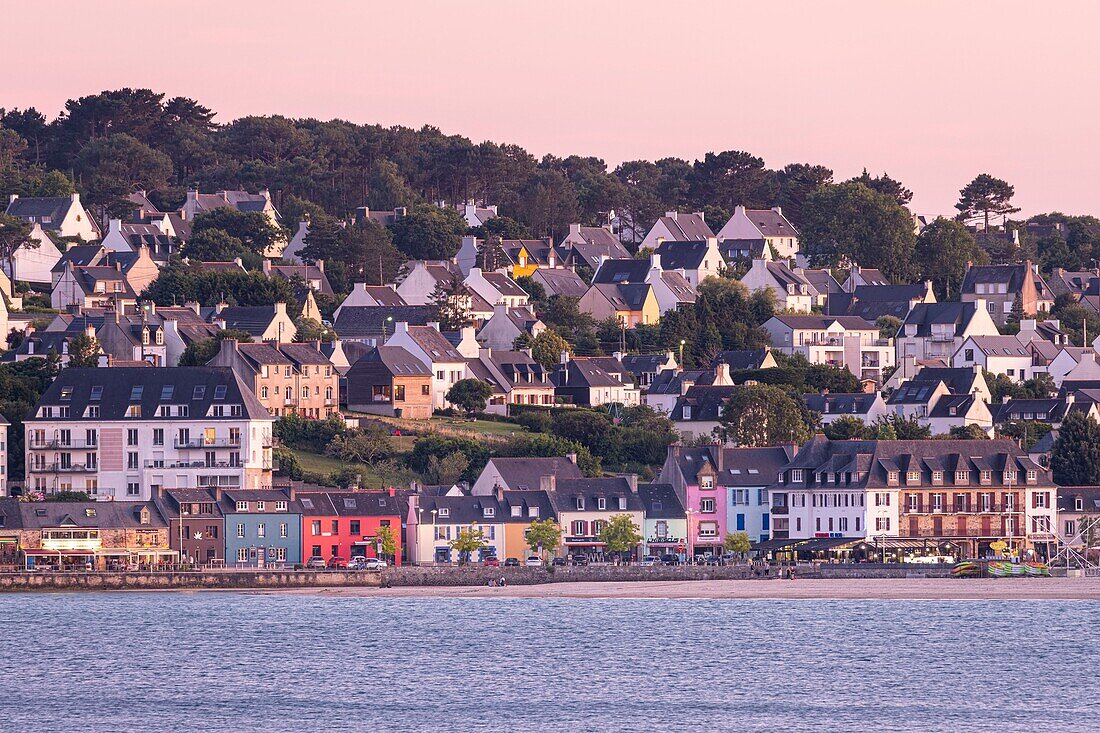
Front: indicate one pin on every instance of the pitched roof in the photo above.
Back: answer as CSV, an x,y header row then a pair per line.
x,y
771,223
434,344
684,291
368,321
686,227
348,503
568,490
1000,346
117,388
49,211
923,315
526,473
308,273
384,295
848,323
255,319
622,296
1011,276
705,402
464,509
102,514
620,270
683,255
659,501
397,360
841,403
741,358
559,281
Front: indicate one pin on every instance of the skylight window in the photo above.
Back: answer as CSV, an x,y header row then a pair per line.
x,y
135,392
349,503
219,392
200,392
167,391
97,392
307,503
66,393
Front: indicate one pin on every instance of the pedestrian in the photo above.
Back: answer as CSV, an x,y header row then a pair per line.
x,y
503,582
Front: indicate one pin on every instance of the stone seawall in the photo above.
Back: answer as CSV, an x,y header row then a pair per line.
x,y
429,576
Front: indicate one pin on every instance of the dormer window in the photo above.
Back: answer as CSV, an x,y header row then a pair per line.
x,y
796,475
912,477
242,506
1031,476
533,511
706,482
489,512
962,477
1009,476
580,503
160,337
444,512
937,477
517,511
892,476
601,503
97,393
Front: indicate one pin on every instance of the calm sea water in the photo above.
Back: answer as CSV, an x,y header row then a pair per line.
x,y
213,662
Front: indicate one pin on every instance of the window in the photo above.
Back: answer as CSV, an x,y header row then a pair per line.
x,y
892,476
335,526
912,477
131,436
133,489
219,392
356,528
882,524
315,528
97,393
261,530
1031,476
962,477
796,475
444,512
135,392
261,506
200,392
937,477
425,389
601,503
131,461
242,506
280,506
283,528
158,436
706,506
580,503
706,482
264,393
883,499
242,552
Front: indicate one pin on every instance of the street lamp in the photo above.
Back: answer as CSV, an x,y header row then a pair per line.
x,y
688,514
389,319
682,342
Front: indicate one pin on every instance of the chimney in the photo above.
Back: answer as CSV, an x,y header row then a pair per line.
x,y
632,480
655,261
563,358
391,491
722,376
572,458
778,210
617,355
280,308
267,267
321,265
114,225
401,327
671,215
739,210
433,324
701,215
574,229
75,198
12,198
548,483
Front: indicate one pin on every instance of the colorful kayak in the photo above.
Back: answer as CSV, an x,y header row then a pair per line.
x,y
966,569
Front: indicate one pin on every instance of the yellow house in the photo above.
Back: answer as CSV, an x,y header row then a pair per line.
x,y
521,508
528,255
632,304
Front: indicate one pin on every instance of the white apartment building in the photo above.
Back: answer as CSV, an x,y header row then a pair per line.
x,y
123,433
843,341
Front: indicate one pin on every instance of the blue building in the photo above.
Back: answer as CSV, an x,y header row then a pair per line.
x,y
263,528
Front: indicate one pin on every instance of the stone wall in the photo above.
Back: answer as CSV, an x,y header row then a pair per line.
x,y
420,576
197,580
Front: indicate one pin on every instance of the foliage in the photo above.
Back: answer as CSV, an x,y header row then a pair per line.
x,y
943,250
470,395
253,229
201,352
84,351
214,245
386,537
737,542
110,168
763,415
886,185
14,233
725,316
589,428
288,463
369,444
1039,387
985,196
433,454
449,304
1075,460
68,496
620,534
22,384
1026,432
1076,320
888,326
547,348
179,282
846,427
305,434
851,223
543,536
896,427
310,330
967,432
550,446
361,252
468,541
502,227
429,233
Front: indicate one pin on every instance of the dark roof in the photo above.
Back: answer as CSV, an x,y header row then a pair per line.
x,y
254,319
397,360
670,382
384,295
103,514
196,387
305,272
527,500
741,358
38,207
1088,496
923,315
568,490
559,281
434,344
820,323
348,503
683,255
706,403
639,364
526,473
622,271
841,403
630,297
464,509
367,321
659,501
1048,410
771,223
687,227
1012,276
583,371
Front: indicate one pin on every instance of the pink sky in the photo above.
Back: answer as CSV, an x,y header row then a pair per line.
x,y
933,92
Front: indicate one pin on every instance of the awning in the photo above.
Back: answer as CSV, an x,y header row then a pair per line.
x,y
907,543
819,544
770,545
55,553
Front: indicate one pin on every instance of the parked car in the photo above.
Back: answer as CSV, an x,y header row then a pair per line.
x,y
358,562
670,559
559,562
730,558
374,563
580,559
533,562
491,562
337,563
316,563
511,563
650,560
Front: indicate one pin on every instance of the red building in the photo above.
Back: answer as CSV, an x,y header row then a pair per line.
x,y
345,524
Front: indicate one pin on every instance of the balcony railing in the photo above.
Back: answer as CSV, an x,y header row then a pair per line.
x,y
58,468
194,464
62,445
203,443
979,509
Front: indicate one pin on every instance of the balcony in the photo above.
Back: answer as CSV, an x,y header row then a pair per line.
x,y
194,464
780,510
203,443
990,509
62,445
58,468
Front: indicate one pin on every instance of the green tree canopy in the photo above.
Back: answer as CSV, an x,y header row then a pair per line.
x,y
1075,460
984,197
429,233
850,222
620,534
763,415
543,536
470,395
943,250
251,228
547,348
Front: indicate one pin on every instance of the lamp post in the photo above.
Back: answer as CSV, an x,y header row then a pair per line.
x,y
389,319
682,342
435,533
688,514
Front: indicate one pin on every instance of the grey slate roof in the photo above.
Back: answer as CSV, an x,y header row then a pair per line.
x,y
526,473
366,321
683,255
659,501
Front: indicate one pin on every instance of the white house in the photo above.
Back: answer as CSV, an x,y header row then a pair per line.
x,y
430,346
123,433
696,259
65,216
866,406
496,288
506,325
370,295
420,277
767,224
844,341
677,227
937,330
997,354
793,292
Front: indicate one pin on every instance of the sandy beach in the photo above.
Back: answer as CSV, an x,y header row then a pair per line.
x,y
877,589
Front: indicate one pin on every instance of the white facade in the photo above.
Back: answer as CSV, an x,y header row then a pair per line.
x,y
792,291
34,265
859,349
784,239
999,355
445,370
